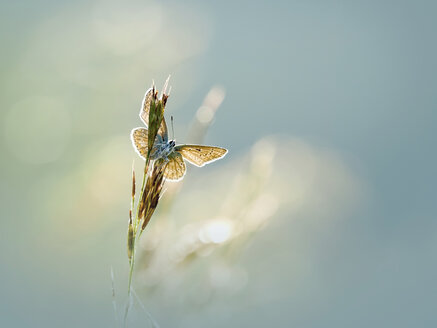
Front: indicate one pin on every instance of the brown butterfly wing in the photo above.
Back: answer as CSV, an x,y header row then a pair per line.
x,y
200,155
175,168
144,114
139,137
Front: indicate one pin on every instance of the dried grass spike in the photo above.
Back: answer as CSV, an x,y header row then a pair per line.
x,y
130,237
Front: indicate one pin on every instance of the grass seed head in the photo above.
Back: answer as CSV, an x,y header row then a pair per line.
x,y
156,115
130,237
133,181
152,192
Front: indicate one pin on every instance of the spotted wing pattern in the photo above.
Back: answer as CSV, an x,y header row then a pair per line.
x,y
139,137
175,168
144,114
201,155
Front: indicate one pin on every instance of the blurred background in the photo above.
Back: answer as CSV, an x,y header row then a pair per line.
x,y
323,213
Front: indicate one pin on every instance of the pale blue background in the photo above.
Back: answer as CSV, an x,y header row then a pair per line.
x,y
357,78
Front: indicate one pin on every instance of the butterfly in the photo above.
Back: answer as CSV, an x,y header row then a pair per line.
x,y
167,150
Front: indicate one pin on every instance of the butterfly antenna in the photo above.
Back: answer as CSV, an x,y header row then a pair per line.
x,y
172,127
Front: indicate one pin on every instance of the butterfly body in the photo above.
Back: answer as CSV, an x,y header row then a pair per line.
x,y
162,150
166,150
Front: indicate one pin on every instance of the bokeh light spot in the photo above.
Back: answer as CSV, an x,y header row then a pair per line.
x,y
217,231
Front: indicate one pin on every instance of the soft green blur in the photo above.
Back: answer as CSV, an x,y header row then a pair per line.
x,y
323,213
